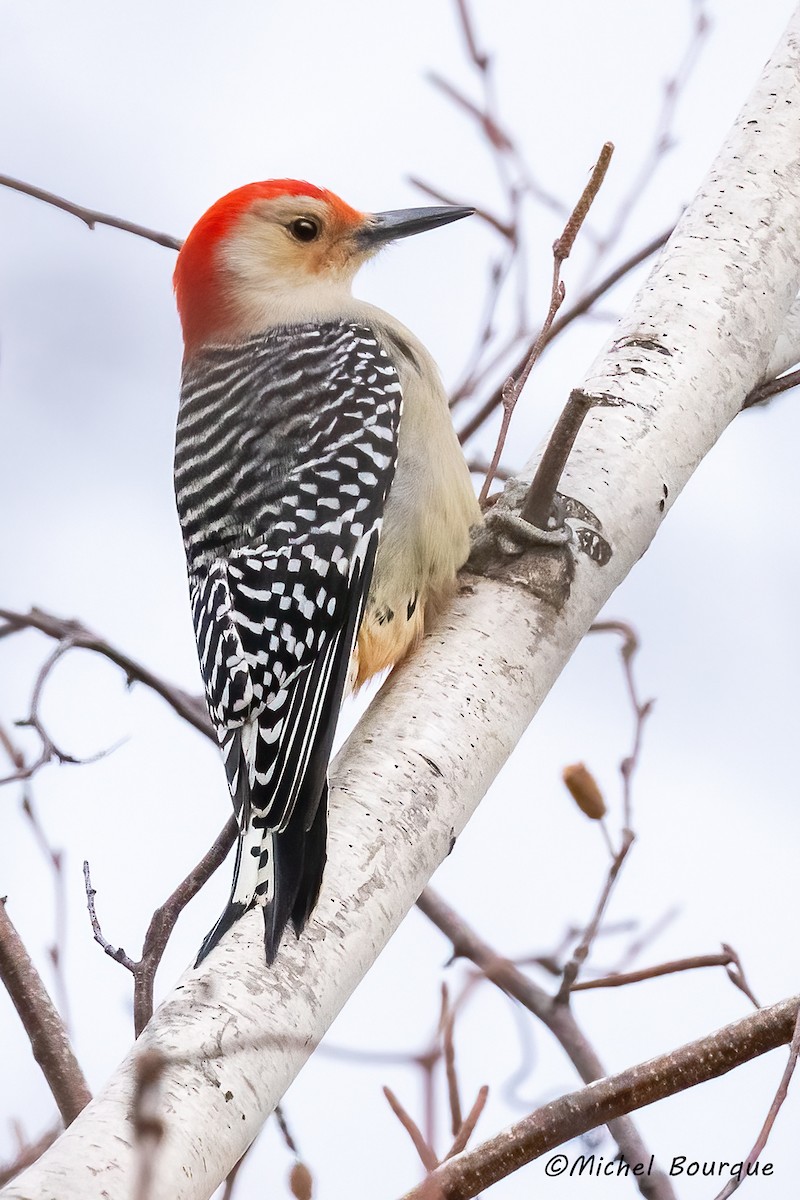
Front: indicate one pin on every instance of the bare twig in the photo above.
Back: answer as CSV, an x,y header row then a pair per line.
x,y
735,972
538,501
467,1128
161,924
49,750
43,1025
561,251
165,918
502,227
55,860
641,711
572,1115
581,952
581,306
641,708
90,216
190,708
559,1019
115,952
773,387
662,142
448,1021
695,963
646,937
426,1154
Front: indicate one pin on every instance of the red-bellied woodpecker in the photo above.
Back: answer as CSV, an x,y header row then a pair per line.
x,y
324,501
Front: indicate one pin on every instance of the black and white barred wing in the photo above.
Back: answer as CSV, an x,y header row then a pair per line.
x,y
277,613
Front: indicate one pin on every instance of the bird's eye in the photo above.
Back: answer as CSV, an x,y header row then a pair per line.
x,y
304,229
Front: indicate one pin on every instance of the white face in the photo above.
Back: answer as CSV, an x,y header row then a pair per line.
x,y
294,242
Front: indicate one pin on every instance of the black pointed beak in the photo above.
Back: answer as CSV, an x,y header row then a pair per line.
x,y
388,226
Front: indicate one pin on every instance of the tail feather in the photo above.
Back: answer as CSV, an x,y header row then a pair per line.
x,y
313,866
299,863
280,870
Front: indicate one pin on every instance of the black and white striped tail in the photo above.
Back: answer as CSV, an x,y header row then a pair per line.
x,y
278,870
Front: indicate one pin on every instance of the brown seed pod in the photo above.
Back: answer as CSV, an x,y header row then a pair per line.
x,y
583,788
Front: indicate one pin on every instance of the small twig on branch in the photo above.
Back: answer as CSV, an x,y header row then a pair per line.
x,y
735,972
448,1022
559,1019
662,140
641,711
115,952
581,952
301,1181
426,1154
165,918
89,216
697,962
561,251
43,1025
766,1129
468,1124
538,502
581,306
641,708
773,387
572,1115
49,750
161,925
55,861
191,708
646,937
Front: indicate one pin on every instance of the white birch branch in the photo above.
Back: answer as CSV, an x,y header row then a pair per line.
x,y
697,338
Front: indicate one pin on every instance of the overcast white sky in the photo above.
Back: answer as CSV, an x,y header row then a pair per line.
x,y
153,111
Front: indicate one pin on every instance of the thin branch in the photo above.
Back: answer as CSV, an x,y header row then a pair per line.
x,y
468,1124
43,1025
577,1113
773,387
695,963
578,309
115,952
581,952
161,925
448,1022
165,918
562,248
559,1019
190,708
55,859
662,141
641,711
538,503
735,972
426,1154
90,216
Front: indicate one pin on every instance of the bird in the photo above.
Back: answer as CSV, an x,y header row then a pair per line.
x,y
324,502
